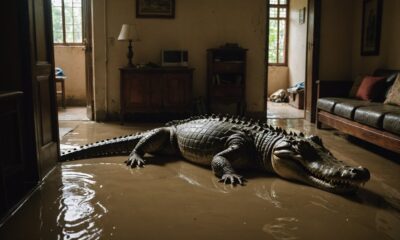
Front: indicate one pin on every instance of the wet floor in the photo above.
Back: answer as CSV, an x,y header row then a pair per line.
x,y
172,199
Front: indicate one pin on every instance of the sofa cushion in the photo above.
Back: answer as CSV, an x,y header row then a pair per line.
x,y
328,103
391,122
354,88
393,96
347,108
370,88
373,115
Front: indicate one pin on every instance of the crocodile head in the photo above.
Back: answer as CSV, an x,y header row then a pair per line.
x,y
308,161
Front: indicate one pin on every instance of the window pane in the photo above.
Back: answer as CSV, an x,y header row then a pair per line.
x,y
273,12
77,37
77,28
68,15
273,41
282,1
67,3
56,3
57,23
58,37
69,28
282,12
77,12
69,37
273,1
282,40
77,3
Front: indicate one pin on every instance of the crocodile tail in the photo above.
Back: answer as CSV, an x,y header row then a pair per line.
x,y
122,145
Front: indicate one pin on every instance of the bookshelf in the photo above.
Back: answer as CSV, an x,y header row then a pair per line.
x,y
226,77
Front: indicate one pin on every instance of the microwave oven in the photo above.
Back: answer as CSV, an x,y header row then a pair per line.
x,y
174,58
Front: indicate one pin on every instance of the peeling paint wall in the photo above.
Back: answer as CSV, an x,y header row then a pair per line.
x,y
72,60
197,26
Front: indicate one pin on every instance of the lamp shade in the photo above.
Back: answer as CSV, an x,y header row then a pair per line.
x,y
128,32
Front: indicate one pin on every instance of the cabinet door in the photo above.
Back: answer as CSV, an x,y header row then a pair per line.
x,y
177,90
136,90
156,91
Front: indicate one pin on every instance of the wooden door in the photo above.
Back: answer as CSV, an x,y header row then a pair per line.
x,y
43,85
312,62
87,32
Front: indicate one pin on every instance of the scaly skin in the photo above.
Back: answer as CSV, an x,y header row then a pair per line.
x,y
228,143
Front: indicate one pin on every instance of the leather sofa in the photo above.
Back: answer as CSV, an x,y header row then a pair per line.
x,y
374,122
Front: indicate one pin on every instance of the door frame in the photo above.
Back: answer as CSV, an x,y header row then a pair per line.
x,y
312,59
88,41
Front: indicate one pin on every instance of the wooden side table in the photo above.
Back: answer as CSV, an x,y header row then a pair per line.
x,y
61,80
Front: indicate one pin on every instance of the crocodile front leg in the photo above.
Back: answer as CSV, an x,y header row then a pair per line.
x,y
222,167
153,142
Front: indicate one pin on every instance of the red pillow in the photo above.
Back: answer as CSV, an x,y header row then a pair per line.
x,y
370,88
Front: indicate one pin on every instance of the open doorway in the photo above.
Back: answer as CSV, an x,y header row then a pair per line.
x,y
72,57
287,53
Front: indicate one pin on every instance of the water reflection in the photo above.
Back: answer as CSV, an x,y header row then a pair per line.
x,y
388,223
268,195
283,228
80,212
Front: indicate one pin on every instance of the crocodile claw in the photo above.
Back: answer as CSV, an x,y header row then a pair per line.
x,y
135,161
233,179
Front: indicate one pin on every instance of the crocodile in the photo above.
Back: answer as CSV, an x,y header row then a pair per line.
x,y
227,143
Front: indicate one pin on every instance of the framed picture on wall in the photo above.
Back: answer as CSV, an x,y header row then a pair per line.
x,y
371,27
155,8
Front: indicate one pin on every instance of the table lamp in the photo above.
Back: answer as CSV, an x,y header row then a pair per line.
x,y
129,33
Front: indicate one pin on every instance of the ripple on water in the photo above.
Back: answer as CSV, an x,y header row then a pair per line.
x,y
80,212
283,228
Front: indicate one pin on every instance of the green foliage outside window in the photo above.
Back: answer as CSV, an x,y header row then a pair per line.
x,y
278,17
67,21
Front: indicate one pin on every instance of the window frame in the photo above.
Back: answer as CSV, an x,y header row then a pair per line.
x,y
64,43
285,49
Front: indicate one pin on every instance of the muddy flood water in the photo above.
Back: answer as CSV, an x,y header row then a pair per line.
x,y
172,199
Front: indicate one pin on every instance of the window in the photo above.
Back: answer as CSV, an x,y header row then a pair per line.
x,y
67,21
277,39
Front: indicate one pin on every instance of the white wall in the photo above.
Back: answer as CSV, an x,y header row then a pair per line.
x,y
197,26
297,43
72,60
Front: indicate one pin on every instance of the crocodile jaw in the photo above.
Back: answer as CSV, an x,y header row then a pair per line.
x,y
327,173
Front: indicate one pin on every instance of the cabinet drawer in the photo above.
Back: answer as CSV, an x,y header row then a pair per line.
x,y
228,67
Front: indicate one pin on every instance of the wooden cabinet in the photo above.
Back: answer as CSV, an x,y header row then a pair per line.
x,y
155,90
226,77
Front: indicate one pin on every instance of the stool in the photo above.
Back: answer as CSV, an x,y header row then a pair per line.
x,y
61,79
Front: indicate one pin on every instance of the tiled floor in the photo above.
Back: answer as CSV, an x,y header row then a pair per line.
x,y
72,114
172,199
283,111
